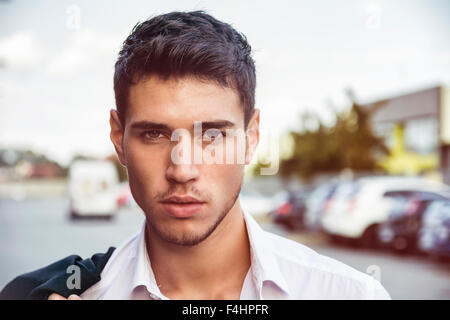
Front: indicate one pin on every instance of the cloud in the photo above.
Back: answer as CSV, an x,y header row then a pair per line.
x,y
86,48
19,50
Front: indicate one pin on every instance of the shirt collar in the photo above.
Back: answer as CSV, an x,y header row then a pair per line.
x,y
264,266
143,272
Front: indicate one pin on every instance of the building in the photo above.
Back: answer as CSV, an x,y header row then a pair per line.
x,y
416,127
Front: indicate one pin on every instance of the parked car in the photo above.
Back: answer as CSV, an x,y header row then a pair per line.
x,y
358,207
317,203
434,235
291,213
400,231
93,188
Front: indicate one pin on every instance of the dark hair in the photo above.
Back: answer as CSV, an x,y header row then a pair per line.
x,y
181,44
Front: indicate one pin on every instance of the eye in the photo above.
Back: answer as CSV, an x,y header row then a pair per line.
x,y
152,134
213,134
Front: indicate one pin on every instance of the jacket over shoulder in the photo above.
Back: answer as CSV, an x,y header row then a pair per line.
x,y
39,284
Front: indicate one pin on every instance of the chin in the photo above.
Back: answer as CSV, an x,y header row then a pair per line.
x,y
183,232
185,239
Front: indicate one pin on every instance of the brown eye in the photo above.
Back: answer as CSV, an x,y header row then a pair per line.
x,y
151,134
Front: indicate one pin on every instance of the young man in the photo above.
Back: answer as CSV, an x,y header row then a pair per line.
x,y
189,73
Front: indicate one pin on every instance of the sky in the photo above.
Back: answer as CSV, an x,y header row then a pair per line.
x,y
57,59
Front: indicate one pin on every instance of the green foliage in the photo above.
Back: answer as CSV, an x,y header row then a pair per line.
x,y
349,144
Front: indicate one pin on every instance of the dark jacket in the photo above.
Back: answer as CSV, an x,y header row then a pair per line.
x,y
39,284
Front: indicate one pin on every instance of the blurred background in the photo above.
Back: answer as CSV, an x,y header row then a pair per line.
x,y
355,118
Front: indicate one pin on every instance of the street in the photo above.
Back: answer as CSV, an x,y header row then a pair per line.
x,y
36,232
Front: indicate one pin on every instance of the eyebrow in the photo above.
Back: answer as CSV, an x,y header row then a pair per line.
x,y
217,124
150,125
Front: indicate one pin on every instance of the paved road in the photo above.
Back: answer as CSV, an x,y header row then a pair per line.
x,y
36,232
404,277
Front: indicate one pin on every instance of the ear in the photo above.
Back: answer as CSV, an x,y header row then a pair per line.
x,y
252,136
116,135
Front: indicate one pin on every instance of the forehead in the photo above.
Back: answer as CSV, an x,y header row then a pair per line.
x,y
180,102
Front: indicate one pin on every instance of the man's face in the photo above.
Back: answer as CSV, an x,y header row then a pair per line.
x,y
156,108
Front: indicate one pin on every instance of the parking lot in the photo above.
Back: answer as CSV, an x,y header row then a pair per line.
x,y
36,232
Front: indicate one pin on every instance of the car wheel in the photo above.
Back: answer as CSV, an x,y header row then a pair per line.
x,y
369,239
400,244
337,240
74,215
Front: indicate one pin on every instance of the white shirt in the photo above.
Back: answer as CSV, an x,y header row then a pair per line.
x,y
280,269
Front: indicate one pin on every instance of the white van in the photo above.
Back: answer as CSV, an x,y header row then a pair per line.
x,y
93,188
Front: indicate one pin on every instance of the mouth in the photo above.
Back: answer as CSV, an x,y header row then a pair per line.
x,y
182,206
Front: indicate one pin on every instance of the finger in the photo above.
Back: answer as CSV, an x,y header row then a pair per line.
x,y
55,296
74,297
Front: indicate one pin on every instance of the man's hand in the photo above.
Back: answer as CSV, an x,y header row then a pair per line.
x,y
55,296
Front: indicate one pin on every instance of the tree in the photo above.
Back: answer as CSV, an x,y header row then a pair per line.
x,y
349,144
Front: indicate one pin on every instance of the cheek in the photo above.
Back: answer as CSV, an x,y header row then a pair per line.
x,y
222,179
143,158
146,167
231,150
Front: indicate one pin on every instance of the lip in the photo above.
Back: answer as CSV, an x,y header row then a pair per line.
x,y
182,206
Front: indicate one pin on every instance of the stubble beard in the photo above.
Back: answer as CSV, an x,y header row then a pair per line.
x,y
192,239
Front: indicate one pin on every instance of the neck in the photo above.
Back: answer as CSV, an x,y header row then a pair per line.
x,y
199,272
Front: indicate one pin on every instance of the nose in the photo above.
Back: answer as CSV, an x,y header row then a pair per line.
x,y
181,173
181,168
